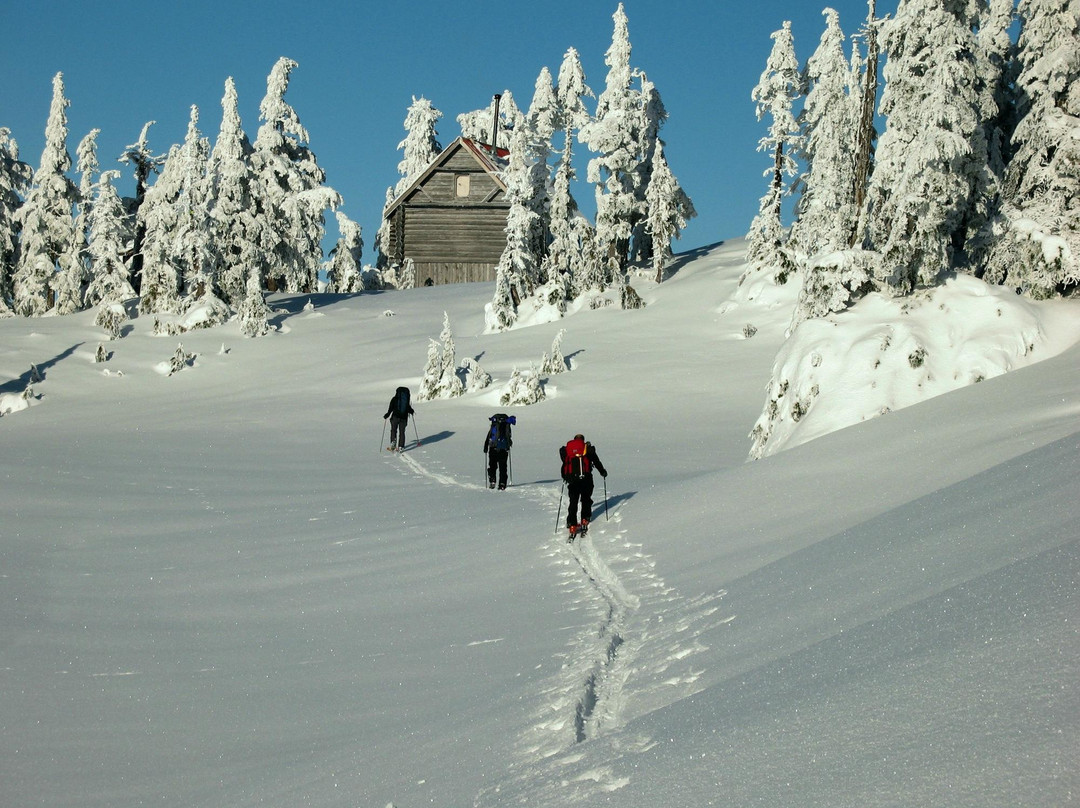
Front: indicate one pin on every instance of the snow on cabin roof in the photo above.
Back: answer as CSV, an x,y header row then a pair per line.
x,y
481,152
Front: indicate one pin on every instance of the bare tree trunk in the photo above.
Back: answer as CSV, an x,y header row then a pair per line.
x,y
865,134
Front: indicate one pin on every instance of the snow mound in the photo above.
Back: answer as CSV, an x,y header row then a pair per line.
x,y
888,353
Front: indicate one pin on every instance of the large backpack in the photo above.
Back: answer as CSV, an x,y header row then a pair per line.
x,y
499,437
577,459
401,401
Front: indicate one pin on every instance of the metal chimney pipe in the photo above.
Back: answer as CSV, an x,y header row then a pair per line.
x,y
495,126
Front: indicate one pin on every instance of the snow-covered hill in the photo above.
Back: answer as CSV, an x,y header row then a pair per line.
x,y
217,590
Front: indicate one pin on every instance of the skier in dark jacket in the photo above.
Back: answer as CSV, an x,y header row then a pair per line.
x,y
497,447
578,460
398,412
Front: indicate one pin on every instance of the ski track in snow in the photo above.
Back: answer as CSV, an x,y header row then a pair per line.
x,y
632,655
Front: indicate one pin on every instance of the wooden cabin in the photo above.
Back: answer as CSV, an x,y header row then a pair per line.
x,y
451,221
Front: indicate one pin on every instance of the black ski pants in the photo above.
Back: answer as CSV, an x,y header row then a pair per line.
x,y
497,461
579,488
397,430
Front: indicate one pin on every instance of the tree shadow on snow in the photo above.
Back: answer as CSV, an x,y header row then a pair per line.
x,y
682,259
19,384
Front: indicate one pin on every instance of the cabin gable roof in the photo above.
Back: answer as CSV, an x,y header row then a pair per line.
x,y
489,164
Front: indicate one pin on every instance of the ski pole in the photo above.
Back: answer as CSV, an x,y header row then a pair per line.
x,y
558,513
415,431
382,440
606,517
510,461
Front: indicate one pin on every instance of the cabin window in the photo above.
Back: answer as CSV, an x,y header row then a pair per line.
x,y
461,184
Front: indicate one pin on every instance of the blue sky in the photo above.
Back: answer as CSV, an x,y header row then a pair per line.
x,y
360,63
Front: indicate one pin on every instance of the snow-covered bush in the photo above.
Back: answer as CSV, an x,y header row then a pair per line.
x,y
886,353
111,316
555,362
523,389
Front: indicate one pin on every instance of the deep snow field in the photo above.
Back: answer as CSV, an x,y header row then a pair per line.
x,y
217,590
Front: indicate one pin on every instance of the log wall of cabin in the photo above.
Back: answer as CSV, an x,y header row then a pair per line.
x,y
452,238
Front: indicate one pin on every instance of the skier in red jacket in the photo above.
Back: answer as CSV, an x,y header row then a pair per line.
x,y
578,460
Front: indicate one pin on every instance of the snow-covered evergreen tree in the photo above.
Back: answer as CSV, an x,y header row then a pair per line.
x,y
523,389
519,264
344,271
383,247
191,248
572,235
110,281
70,284
1038,233
47,227
253,312
160,289
775,96
653,116
615,136
421,144
555,362
433,373
145,162
449,384
406,275
864,74
997,78
543,121
476,378
15,177
501,313
293,185
825,213
668,210
933,150
237,205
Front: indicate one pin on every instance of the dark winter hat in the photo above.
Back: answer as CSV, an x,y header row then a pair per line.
x,y
579,436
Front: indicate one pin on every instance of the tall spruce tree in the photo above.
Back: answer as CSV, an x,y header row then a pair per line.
x,y
543,120
191,247
571,249
653,116
146,163
669,209
933,150
519,266
293,183
421,145
71,283
15,176
110,275
161,277
47,227
825,212
614,135
775,95
344,272
236,204
1037,247
866,80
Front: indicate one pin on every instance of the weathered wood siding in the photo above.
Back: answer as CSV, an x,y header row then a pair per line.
x,y
452,238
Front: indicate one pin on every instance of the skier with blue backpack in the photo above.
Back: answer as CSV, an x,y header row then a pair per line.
x,y
398,412
497,447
